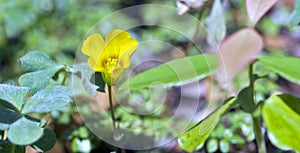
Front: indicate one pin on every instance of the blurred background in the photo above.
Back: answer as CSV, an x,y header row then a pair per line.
x,y
57,27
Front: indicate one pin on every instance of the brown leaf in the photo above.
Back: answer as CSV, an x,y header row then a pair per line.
x,y
238,51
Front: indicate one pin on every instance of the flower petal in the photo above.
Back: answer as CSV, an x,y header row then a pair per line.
x,y
117,73
97,67
111,56
118,42
129,47
91,63
93,46
114,33
123,62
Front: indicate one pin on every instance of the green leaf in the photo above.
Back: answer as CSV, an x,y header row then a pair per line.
x,y
90,87
24,132
42,69
46,142
49,99
237,139
224,146
83,132
13,94
216,25
35,60
84,69
39,79
74,145
86,74
176,72
7,117
212,145
245,99
286,67
281,116
6,147
196,136
295,16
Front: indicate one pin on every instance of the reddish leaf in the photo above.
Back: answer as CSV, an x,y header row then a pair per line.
x,y
237,51
257,8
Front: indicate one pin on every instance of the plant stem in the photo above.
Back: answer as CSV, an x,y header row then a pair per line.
x,y
261,146
64,81
116,135
200,14
12,149
112,110
251,79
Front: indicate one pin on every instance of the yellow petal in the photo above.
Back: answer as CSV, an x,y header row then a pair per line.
x,y
117,73
129,47
119,41
93,46
97,67
113,33
123,62
118,44
92,64
111,79
112,56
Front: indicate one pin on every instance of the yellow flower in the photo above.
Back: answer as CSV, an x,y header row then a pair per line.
x,y
110,56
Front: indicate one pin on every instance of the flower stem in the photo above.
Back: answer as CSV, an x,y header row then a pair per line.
x,y
114,122
261,146
117,136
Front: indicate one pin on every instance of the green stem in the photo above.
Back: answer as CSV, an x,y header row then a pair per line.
x,y
117,136
251,79
114,121
64,81
200,14
12,149
261,146
112,109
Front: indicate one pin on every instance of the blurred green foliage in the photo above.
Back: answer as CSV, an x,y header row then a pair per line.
x,y
234,132
55,27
